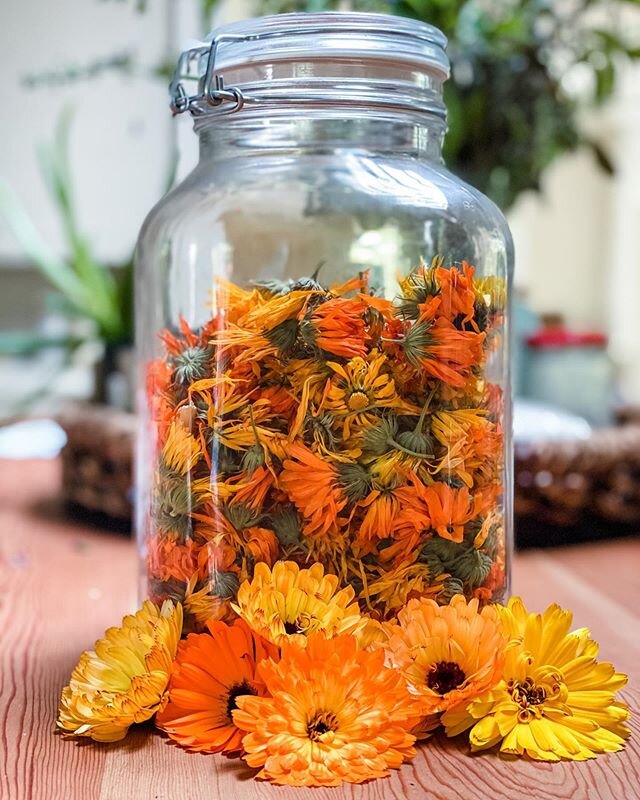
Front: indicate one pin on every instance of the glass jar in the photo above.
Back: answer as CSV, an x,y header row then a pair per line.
x,y
321,321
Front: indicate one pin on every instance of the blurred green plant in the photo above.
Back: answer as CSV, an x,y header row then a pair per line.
x,y
510,115
87,288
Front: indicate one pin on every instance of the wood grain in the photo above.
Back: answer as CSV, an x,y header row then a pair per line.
x,y
62,584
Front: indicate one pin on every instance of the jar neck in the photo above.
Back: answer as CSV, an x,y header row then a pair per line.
x,y
404,133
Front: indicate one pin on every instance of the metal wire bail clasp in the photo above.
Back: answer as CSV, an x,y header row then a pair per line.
x,y
213,91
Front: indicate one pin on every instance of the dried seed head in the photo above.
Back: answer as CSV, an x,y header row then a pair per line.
x,y
355,481
192,364
379,440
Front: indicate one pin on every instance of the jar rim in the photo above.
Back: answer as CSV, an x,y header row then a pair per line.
x,y
423,43
352,36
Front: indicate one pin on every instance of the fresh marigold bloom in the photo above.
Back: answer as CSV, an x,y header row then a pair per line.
x,y
211,671
554,699
124,680
447,654
289,603
338,327
311,483
335,715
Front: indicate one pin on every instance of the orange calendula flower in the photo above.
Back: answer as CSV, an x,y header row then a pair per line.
x,y
335,715
449,509
124,680
181,450
288,603
168,559
334,424
267,315
211,672
437,506
449,654
456,291
338,327
554,700
436,346
262,544
203,605
393,586
382,507
312,484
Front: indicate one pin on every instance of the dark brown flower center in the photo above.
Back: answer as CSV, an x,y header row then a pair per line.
x,y
304,624
237,690
445,676
293,627
322,722
526,693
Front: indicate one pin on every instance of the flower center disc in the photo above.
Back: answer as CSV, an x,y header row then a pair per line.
x,y
445,676
358,401
321,723
237,690
528,694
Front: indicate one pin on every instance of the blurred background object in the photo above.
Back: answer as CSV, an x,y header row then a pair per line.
x,y
543,117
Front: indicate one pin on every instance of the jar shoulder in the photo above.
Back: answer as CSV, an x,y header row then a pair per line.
x,y
360,185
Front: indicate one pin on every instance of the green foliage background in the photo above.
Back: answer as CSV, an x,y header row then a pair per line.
x,y
509,116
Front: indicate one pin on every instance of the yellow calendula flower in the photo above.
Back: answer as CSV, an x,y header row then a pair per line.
x,y
361,388
554,701
124,680
394,585
181,450
203,605
289,603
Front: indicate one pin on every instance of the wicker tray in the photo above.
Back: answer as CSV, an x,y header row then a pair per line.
x,y
562,484
97,460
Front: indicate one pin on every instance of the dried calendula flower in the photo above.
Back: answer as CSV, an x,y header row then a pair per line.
x,y
331,425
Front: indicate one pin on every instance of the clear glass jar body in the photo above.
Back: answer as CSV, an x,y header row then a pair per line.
x,y
322,326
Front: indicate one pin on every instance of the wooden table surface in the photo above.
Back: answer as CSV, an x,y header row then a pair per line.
x,y
62,584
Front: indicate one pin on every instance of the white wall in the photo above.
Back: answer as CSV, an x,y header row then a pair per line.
x,y
561,237
122,127
578,242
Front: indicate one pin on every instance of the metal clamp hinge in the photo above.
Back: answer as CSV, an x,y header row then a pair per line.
x,y
213,91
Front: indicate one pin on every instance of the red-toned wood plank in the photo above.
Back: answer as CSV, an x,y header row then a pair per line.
x,y
62,584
